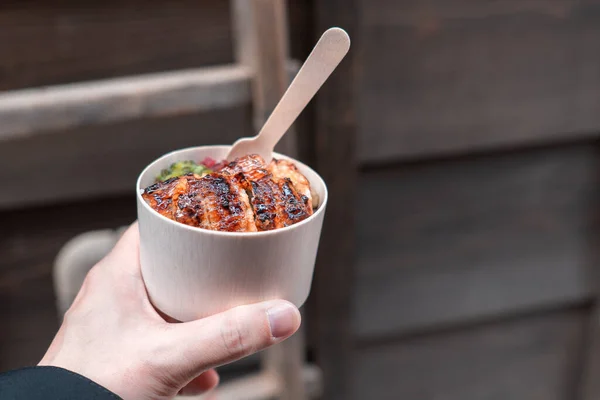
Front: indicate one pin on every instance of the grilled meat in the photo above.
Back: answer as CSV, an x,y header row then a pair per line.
x,y
276,203
285,169
211,202
244,196
163,196
252,166
217,203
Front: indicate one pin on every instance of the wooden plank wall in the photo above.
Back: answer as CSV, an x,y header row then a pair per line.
x,y
334,158
477,219
474,283
531,358
461,75
81,154
63,41
54,42
29,241
477,237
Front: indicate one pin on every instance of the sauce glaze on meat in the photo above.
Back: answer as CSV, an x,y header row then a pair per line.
x,y
246,195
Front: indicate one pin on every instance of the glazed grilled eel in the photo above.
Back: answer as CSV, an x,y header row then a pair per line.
x,y
245,196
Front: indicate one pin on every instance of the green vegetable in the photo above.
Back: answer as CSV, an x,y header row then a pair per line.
x,y
182,168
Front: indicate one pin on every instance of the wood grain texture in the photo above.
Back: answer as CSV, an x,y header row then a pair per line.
x,y
41,110
589,388
285,362
334,151
443,77
262,44
302,39
104,160
64,41
532,358
468,239
29,241
54,42
261,386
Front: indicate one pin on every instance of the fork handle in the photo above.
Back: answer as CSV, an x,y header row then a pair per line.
x,y
322,61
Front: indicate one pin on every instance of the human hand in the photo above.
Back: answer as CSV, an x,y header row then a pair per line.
x,y
114,336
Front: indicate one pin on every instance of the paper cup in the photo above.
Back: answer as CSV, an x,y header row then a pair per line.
x,y
192,273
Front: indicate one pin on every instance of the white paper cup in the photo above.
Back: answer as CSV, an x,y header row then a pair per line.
x,y
192,273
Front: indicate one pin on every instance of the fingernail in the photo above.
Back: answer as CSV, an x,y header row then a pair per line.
x,y
283,320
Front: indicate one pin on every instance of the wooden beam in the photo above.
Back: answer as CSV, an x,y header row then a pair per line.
x,y
29,111
533,358
104,159
261,42
285,361
261,386
59,42
466,76
335,159
47,109
475,239
589,384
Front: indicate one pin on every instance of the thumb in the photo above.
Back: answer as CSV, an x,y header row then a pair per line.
x,y
231,335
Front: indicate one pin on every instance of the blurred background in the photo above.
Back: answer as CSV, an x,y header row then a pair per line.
x,y
458,139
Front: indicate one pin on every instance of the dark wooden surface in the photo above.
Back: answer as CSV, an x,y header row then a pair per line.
x,y
105,160
53,42
334,147
531,358
262,44
440,77
49,42
474,238
54,108
590,384
468,244
45,42
29,241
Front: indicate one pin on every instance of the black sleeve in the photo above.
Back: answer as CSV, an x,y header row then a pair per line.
x,y
50,383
